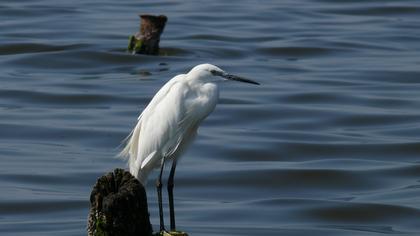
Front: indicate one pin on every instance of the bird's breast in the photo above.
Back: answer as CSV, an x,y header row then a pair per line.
x,y
205,99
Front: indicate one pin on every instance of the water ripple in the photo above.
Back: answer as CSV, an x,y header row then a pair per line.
x,y
327,145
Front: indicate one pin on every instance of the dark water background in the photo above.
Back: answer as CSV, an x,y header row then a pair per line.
x,y
329,144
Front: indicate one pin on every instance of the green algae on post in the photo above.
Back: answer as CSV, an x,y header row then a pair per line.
x,y
170,233
146,41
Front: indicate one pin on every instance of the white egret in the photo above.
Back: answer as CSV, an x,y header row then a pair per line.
x,y
169,123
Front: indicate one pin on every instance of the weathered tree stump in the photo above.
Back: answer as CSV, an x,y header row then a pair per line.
x,y
118,206
146,41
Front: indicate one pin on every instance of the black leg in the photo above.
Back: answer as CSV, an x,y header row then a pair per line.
x,y
171,195
159,192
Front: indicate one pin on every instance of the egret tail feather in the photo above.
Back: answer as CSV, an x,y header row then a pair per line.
x,y
131,145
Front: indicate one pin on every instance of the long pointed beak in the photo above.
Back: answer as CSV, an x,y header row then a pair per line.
x,y
237,78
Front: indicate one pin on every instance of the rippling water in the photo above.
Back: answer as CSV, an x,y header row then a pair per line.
x,y
329,144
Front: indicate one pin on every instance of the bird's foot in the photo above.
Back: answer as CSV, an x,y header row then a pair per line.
x,y
171,233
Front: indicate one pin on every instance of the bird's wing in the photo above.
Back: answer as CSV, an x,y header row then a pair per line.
x,y
131,147
161,94
164,123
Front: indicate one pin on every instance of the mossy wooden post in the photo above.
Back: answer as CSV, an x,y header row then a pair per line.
x,y
146,41
118,206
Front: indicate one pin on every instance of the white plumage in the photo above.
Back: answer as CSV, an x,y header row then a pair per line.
x,y
169,123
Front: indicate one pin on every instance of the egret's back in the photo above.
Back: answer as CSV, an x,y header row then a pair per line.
x,y
168,124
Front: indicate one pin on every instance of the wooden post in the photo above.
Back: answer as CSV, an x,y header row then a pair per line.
x,y
146,41
118,206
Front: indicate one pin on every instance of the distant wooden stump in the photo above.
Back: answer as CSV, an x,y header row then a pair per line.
x,y
146,41
118,206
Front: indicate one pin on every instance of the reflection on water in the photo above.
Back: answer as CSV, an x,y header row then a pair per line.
x,y
327,145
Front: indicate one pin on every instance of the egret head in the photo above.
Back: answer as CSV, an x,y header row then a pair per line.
x,y
211,73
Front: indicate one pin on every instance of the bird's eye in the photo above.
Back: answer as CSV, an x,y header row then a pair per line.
x,y
215,72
